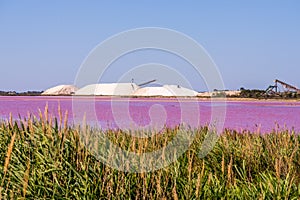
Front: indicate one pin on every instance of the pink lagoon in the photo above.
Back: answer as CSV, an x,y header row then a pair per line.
x,y
255,115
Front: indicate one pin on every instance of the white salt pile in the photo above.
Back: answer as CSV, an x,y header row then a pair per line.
x,y
61,90
108,89
152,91
166,91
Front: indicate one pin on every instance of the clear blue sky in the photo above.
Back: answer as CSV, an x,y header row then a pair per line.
x,y
43,43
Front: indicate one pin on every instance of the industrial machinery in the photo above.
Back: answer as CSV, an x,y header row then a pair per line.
x,y
145,83
274,89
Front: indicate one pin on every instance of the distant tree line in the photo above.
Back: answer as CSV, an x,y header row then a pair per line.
x,y
14,93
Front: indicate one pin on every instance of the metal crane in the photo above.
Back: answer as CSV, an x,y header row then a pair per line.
x,y
287,86
146,83
273,89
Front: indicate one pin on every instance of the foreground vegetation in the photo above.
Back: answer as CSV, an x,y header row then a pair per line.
x,y
44,158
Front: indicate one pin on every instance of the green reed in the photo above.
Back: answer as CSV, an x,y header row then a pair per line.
x,y
43,158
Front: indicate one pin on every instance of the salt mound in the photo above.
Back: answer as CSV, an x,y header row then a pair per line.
x,y
152,91
131,89
108,89
179,91
165,91
61,90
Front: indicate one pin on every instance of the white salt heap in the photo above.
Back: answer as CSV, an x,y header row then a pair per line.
x,y
61,90
108,89
181,91
166,91
131,89
152,91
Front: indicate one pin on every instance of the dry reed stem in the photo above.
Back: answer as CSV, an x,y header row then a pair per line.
x,y
198,185
8,156
223,164
229,171
174,192
26,178
46,112
199,179
290,187
278,168
11,120
66,121
158,186
59,114
190,165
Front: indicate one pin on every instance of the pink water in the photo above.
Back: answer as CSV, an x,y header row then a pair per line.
x,y
263,116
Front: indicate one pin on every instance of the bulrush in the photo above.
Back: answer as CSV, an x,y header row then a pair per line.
x,y
47,158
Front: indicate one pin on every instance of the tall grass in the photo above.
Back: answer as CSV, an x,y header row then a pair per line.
x,y
45,158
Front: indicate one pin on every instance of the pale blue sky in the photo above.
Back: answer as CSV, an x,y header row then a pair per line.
x,y
43,43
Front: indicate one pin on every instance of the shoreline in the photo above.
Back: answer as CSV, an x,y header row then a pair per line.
x,y
230,99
